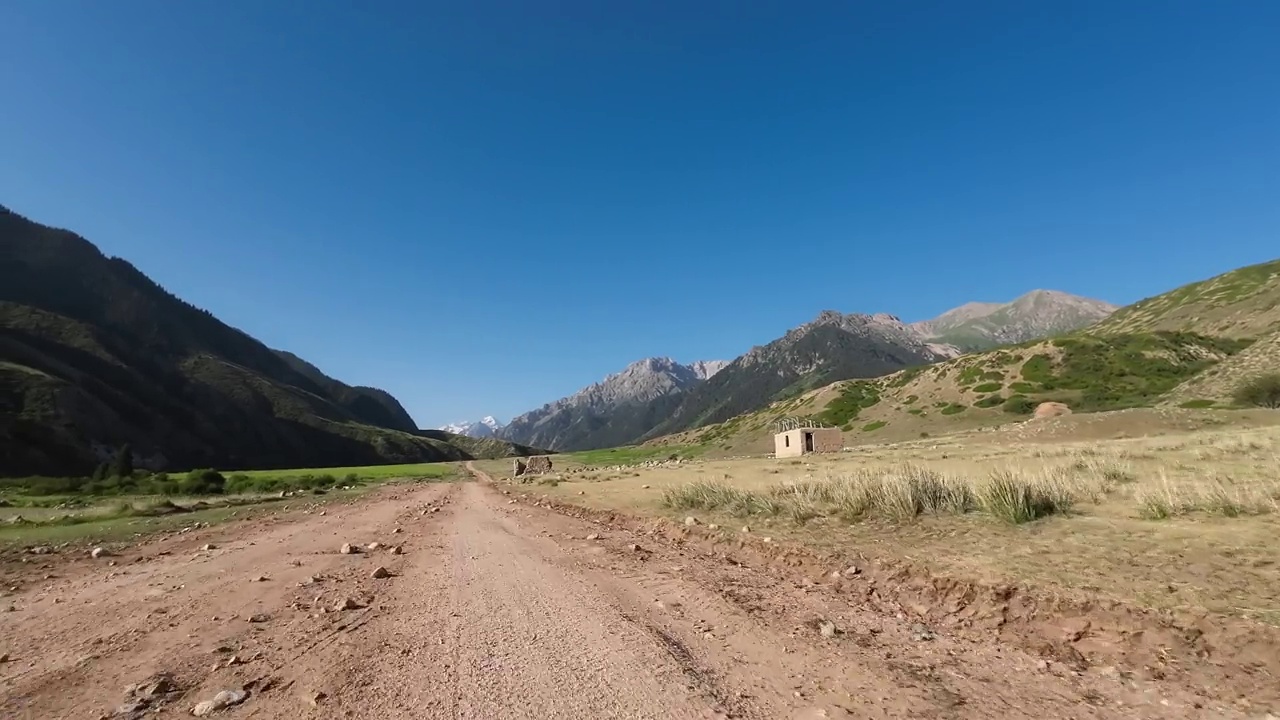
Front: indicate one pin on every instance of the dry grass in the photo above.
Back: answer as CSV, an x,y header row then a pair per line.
x,y
1185,519
900,495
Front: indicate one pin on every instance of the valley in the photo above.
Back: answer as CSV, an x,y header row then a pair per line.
x,y
1050,506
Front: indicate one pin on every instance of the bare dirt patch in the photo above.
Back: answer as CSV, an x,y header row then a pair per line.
x,y
1163,565
501,609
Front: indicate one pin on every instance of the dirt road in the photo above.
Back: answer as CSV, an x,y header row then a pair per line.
x,y
493,609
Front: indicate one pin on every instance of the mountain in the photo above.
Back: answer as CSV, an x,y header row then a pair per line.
x,y
1242,303
94,355
704,369
483,428
1040,313
367,404
1192,346
614,411
831,347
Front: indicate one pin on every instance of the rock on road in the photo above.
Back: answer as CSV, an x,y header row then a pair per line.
x,y
486,609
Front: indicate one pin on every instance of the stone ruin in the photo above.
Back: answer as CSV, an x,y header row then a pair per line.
x,y
536,465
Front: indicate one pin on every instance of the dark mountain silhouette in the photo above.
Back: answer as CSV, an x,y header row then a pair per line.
x,y
94,355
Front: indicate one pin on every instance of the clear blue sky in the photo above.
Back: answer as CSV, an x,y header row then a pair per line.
x,y
482,206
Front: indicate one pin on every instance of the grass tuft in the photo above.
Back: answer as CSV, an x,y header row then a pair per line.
x,y
1017,499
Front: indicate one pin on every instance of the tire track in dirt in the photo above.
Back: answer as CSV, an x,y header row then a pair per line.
x,y
873,667
165,605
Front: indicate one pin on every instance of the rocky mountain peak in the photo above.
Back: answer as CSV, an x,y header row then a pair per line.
x,y
1033,315
564,423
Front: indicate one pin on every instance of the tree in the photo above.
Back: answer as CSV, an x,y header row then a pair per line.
x,y
100,472
122,466
202,482
1260,391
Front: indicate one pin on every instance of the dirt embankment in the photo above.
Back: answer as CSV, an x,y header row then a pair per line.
x,y
494,608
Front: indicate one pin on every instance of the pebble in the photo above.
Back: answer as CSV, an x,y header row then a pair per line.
x,y
4,657
374,545
346,604
635,548
315,697
852,570
691,520
921,633
381,573
713,527
99,552
746,528
224,699
259,618
644,487
828,629
396,531
593,536
349,549
397,550
209,546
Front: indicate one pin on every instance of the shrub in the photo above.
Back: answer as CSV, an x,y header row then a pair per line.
x,y
122,466
952,409
1019,405
1261,391
1038,369
907,376
989,401
875,425
987,387
854,397
202,482
1016,499
1196,404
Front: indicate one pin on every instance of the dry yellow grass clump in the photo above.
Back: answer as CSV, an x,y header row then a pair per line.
x,y
1184,520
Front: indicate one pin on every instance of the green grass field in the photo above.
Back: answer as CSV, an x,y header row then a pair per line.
x,y
65,518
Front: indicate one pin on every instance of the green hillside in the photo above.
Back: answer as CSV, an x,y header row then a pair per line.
x,y
94,355
1192,346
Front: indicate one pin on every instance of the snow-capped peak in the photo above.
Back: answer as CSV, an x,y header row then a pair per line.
x,y
488,426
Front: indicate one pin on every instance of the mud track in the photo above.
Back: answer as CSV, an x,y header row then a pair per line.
x,y
500,609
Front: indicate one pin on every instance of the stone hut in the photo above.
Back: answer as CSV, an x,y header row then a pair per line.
x,y
805,440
